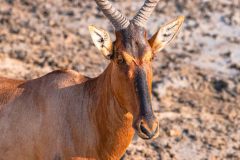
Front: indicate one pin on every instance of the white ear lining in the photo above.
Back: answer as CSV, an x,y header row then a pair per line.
x,y
102,41
166,34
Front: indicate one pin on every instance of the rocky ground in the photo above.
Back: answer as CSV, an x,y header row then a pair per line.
x,y
196,84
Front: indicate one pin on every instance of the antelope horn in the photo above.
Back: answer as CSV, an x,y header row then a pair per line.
x,y
144,13
118,20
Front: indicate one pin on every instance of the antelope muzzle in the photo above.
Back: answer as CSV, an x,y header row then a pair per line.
x,y
146,126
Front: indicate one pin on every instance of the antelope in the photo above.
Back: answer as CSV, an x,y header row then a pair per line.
x,y
65,115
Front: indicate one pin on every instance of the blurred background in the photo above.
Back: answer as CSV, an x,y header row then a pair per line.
x,y
196,87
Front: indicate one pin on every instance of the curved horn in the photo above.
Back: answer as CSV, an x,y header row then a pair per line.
x,y
117,19
144,13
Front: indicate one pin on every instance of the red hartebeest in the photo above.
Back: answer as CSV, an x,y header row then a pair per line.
x,y
64,115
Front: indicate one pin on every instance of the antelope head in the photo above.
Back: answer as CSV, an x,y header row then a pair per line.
x,y
131,56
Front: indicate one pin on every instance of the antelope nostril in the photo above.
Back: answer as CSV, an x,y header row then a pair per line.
x,y
144,130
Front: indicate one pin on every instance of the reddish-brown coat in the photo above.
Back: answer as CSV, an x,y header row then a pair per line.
x,y
62,115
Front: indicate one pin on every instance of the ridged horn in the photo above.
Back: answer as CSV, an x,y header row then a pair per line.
x,y
117,19
144,13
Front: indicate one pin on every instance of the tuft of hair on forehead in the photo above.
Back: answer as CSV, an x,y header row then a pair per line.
x,y
134,40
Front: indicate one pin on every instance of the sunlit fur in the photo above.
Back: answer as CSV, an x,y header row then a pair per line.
x,y
64,115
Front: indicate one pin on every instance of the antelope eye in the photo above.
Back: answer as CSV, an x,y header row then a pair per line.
x,y
120,60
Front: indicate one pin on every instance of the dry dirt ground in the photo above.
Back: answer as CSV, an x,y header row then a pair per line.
x,y
196,84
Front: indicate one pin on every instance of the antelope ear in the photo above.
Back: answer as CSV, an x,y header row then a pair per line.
x,y
102,40
165,34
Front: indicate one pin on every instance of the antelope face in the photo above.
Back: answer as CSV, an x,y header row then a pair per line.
x,y
131,56
132,78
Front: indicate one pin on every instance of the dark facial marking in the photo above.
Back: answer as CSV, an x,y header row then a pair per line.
x,y
143,93
134,40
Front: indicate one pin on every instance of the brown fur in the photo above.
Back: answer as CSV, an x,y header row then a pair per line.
x,y
62,115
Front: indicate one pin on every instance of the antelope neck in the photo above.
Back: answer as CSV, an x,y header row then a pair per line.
x,y
113,123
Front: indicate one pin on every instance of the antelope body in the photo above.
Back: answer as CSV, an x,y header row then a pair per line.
x,y
64,115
